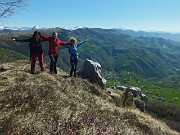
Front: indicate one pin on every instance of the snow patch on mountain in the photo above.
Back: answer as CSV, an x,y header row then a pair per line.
x,y
40,28
10,29
74,28
1,27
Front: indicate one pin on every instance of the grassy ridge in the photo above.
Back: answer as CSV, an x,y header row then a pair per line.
x,y
57,104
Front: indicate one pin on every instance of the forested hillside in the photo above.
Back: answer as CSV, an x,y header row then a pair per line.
x,y
146,57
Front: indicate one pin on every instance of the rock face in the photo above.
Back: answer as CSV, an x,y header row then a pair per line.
x,y
91,71
144,98
139,104
135,91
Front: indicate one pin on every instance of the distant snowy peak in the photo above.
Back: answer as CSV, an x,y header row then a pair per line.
x,y
40,28
1,27
74,28
9,29
12,28
80,27
4,28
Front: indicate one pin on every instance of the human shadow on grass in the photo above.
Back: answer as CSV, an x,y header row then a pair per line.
x,y
65,76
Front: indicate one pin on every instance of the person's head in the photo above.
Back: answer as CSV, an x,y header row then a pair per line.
x,y
72,41
55,35
36,35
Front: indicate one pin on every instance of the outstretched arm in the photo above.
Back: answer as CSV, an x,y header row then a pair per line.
x,y
65,46
22,40
45,38
80,43
63,43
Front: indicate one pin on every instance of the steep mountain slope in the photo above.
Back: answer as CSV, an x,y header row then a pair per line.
x,y
146,57
9,56
57,104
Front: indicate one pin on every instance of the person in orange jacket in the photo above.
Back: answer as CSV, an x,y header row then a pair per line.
x,y
53,49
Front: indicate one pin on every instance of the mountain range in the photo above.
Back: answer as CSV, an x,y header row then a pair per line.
x,y
147,57
166,35
138,33
4,29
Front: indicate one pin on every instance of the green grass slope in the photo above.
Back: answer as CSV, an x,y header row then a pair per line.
x,y
10,56
56,104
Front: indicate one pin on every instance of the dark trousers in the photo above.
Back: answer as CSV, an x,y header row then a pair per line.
x,y
74,62
30,56
53,63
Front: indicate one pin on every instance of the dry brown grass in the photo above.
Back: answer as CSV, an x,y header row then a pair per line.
x,y
59,105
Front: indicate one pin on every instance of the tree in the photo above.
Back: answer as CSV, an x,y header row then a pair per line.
x,y
10,7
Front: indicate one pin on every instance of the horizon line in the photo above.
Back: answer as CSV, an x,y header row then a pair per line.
x,y
68,28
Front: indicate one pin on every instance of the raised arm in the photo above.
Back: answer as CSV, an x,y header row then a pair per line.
x,y
80,43
45,38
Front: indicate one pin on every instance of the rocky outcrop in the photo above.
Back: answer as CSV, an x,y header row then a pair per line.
x,y
139,99
144,98
140,104
135,91
121,87
91,71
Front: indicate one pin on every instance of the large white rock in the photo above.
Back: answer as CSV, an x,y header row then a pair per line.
x,y
91,71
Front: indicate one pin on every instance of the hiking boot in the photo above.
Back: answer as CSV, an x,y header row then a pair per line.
x,y
51,72
71,73
42,69
32,72
55,71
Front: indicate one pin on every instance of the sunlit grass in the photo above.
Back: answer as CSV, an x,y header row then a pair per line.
x,y
57,104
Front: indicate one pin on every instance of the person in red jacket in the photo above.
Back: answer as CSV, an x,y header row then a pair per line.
x,y
36,51
53,49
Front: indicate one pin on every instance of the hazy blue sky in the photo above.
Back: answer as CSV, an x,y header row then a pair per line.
x,y
159,15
